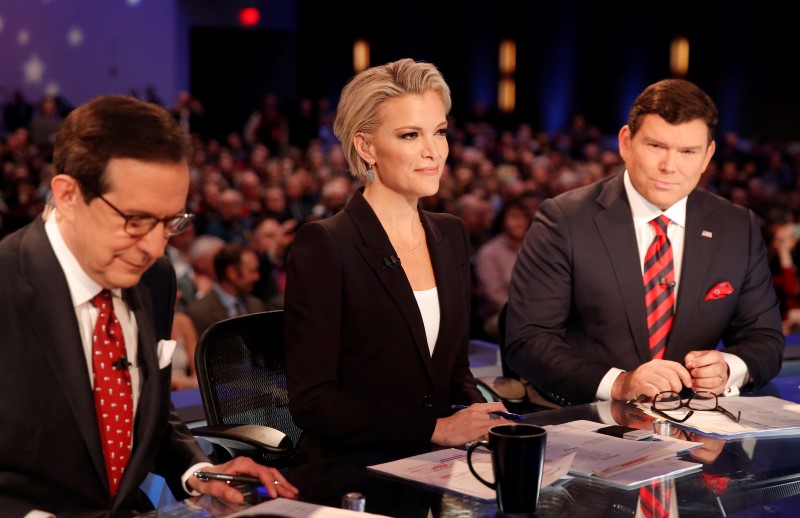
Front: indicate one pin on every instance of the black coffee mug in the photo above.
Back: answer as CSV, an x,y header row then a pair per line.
x,y
517,463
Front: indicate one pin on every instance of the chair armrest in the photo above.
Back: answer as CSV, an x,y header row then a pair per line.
x,y
507,390
245,437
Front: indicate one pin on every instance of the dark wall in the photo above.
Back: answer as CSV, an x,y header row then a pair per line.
x,y
572,57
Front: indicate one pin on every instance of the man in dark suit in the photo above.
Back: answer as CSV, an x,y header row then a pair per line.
x,y
236,270
578,328
119,193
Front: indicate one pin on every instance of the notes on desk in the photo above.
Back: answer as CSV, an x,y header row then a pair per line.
x,y
620,462
761,416
573,448
447,469
294,509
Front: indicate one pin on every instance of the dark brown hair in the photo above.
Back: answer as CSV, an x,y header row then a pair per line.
x,y
677,101
115,126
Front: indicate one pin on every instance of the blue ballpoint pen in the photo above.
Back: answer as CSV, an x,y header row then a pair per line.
x,y
505,415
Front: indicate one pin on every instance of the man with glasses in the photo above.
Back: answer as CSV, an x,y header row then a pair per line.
x,y
85,374
626,286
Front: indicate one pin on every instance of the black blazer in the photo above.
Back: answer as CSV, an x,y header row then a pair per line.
x,y
359,368
576,300
50,452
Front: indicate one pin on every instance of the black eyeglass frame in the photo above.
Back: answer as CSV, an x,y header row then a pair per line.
x,y
687,404
172,224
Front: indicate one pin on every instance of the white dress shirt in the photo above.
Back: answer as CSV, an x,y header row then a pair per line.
x,y
642,212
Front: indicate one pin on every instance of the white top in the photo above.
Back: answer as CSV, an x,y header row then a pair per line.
x,y
428,301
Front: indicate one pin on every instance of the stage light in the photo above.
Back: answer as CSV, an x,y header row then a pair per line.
x,y
249,16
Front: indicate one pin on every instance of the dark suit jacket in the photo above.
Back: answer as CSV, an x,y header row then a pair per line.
x,y
359,367
576,301
50,452
210,310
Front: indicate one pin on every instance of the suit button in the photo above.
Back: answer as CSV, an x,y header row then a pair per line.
x,y
427,401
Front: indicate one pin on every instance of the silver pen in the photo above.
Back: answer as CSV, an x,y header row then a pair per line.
x,y
207,475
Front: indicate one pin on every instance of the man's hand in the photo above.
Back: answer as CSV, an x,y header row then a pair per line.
x,y
708,369
275,484
651,378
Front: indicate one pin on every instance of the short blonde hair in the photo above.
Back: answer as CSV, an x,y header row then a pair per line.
x,y
362,97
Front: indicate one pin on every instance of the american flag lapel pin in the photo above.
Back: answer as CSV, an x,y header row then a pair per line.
x,y
706,233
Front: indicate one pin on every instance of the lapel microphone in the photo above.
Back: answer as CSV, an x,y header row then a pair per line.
x,y
667,285
122,364
391,262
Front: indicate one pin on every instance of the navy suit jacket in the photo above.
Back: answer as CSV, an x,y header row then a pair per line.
x,y
50,452
576,300
359,368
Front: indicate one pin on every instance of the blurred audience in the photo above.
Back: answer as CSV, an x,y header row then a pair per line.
x,y
494,261
236,272
287,166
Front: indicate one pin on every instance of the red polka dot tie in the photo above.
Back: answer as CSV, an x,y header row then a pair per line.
x,y
659,286
113,397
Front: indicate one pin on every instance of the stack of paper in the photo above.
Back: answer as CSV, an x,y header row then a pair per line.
x,y
620,462
760,416
448,469
294,509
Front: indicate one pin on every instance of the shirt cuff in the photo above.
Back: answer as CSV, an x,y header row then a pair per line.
x,y
737,375
189,472
607,383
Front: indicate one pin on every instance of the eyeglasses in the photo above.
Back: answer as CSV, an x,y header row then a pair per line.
x,y
140,225
700,401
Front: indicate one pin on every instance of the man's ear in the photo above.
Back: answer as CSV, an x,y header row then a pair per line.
x,y
66,194
624,139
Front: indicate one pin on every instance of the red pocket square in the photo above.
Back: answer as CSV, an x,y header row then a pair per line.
x,y
719,291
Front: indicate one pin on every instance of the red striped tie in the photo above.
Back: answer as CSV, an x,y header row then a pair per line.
x,y
659,283
654,499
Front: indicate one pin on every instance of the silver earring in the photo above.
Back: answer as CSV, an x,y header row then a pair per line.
x,y
370,174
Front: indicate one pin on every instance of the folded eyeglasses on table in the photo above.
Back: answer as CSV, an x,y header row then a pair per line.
x,y
698,401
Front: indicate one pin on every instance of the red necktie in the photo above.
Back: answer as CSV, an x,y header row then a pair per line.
x,y
654,499
113,397
659,284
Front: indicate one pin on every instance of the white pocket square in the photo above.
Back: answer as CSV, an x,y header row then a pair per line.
x,y
165,348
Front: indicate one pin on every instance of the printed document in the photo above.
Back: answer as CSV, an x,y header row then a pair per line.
x,y
448,469
760,416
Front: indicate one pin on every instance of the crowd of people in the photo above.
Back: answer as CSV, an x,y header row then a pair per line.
x,y
480,217
257,186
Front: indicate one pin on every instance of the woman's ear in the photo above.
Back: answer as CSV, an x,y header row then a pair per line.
x,y
363,147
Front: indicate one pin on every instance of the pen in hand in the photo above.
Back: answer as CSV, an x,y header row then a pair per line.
x,y
495,414
206,476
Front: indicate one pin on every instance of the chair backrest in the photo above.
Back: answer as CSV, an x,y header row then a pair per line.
x,y
241,371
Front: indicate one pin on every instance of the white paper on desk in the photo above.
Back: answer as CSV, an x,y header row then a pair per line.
x,y
295,509
620,462
760,416
448,469
643,474
674,444
599,454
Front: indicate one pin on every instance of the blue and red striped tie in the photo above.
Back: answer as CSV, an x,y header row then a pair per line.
x,y
659,283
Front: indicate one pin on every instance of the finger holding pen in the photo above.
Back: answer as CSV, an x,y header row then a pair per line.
x,y
468,424
272,480
495,410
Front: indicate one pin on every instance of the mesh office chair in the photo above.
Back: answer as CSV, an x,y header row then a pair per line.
x,y
242,376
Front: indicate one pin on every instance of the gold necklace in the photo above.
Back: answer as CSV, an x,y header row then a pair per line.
x,y
414,248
